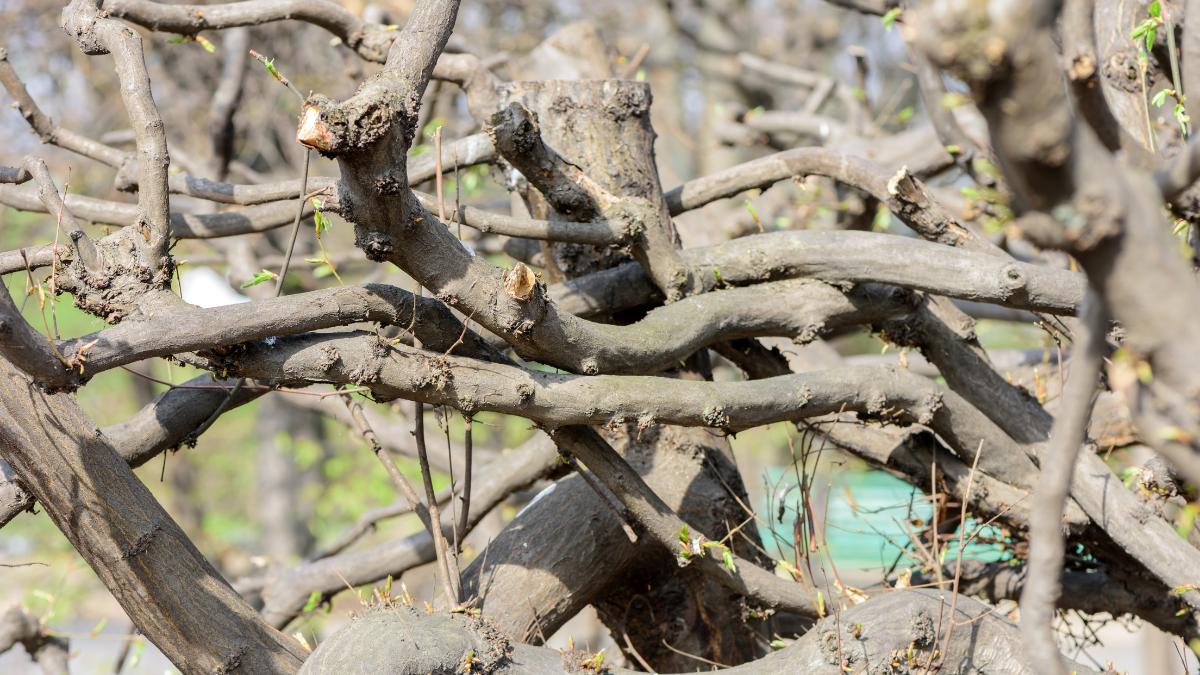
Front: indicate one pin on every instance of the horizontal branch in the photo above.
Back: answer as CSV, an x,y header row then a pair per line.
x,y
14,174
370,41
212,329
557,400
244,195
596,233
906,197
859,257
798,309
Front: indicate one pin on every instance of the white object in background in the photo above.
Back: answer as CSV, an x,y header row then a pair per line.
x,y
203,287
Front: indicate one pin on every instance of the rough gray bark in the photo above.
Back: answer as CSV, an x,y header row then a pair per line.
x,y
586,151
139,553
884,632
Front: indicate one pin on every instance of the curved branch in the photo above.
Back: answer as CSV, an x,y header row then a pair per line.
x,y
557,400
476,81
84,21
48,193
902,193
370,41
666,336
218,327
52,134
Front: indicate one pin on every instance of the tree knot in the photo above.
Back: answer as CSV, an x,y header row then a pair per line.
x,y
142,543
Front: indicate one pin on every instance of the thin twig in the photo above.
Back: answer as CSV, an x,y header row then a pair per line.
x,y
961,543
466,492
385,458
449,587
536,621
270,64
625,633
54,253
631,68
693,656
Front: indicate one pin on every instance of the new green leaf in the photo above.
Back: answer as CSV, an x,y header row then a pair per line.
x,y
259,278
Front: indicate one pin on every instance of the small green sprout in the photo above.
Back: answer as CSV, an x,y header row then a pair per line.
x,y
595,662
259,278
750,208
203,42
314,599
1187,520
890,18
883,218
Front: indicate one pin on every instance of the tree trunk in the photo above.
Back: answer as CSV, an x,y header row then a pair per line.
x,y
172,594
567,550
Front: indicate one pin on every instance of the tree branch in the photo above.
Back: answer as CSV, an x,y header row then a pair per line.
x,y
84,21
51,133
48,193
137,550
666,336
369,41
1043,586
